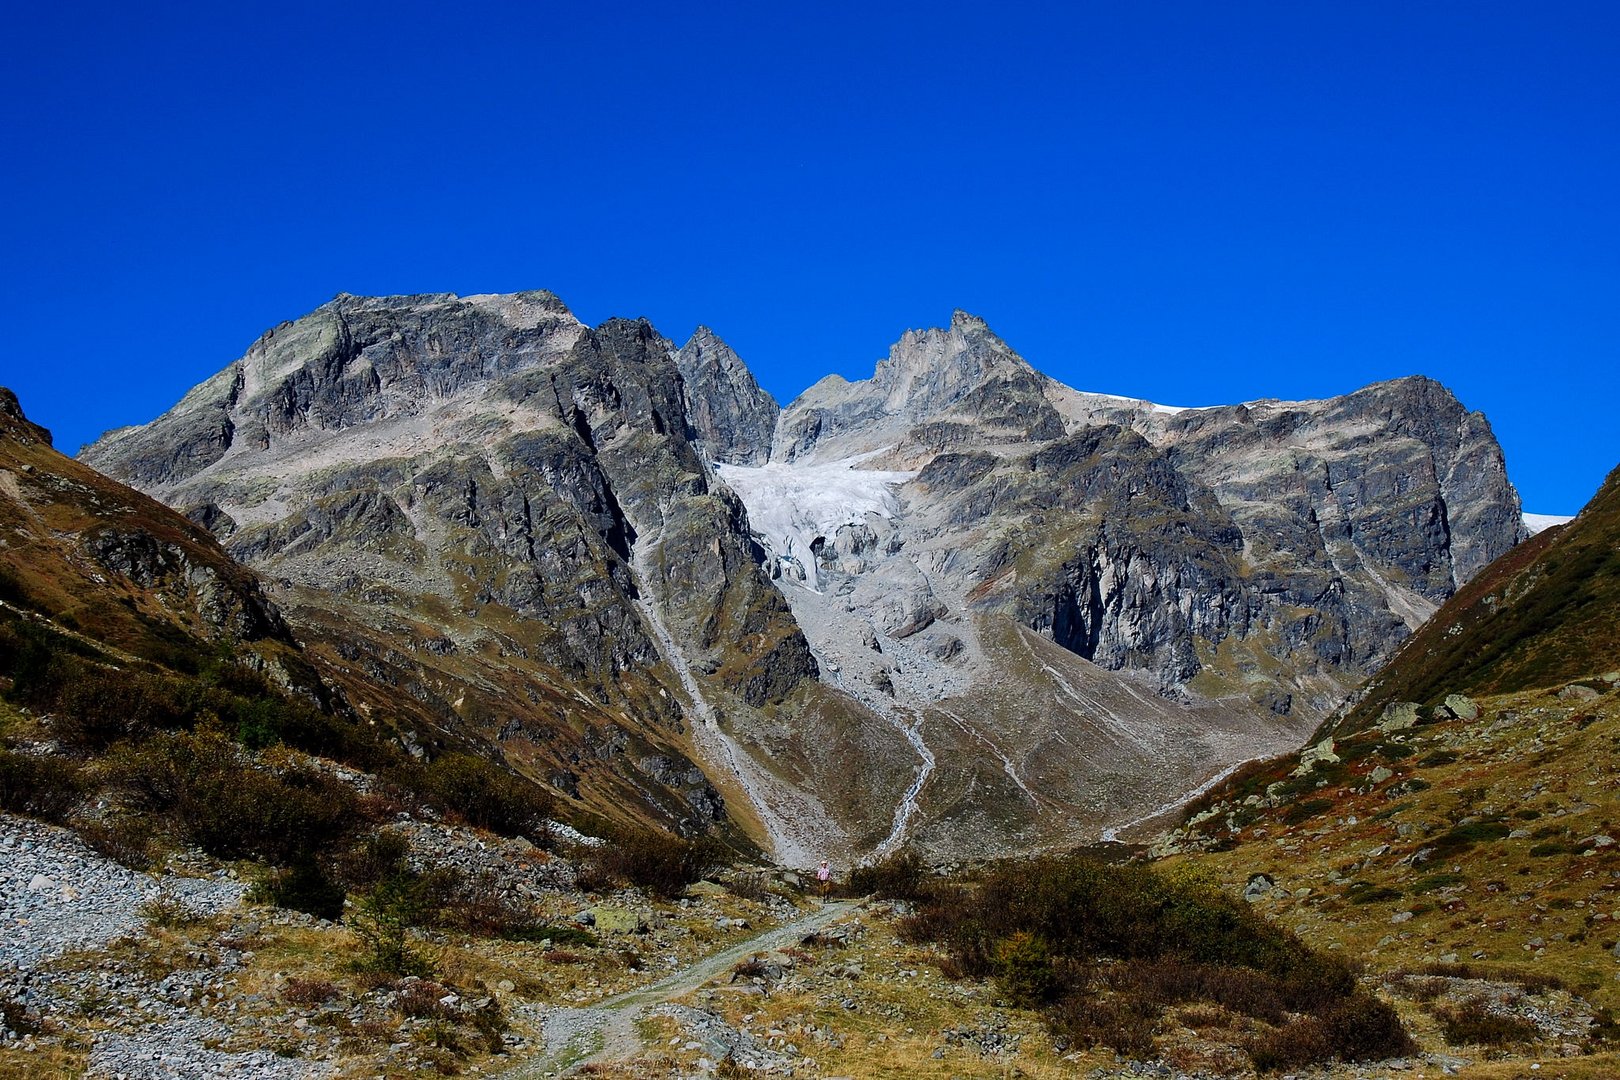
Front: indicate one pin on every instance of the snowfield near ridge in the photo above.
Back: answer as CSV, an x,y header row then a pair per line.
x,y
1542,522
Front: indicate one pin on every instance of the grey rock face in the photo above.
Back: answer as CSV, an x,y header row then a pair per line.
x,y
488,490
732,419
1318,534
23,427
965,370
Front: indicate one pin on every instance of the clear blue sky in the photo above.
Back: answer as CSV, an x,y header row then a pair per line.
x,y
1190,202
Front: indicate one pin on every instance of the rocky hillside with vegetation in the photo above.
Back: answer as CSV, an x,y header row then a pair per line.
x,y
125,618
1455,829
1542,616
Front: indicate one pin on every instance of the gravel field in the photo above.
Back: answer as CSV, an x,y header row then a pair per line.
x,y
57,895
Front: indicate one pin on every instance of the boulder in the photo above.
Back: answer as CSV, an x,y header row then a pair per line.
x,y
1258,888
617,920
1312,756
1399,716
1463,708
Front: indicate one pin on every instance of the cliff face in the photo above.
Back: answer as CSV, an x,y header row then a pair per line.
x,y
732,419
957,603
1542,617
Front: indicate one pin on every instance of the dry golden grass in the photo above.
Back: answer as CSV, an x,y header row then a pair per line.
x,y
46,1063
1541,904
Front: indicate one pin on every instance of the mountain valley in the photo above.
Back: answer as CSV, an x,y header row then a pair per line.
x,y
953,611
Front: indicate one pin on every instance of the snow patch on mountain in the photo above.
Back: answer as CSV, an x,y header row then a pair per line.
x,y
1541,522
793,504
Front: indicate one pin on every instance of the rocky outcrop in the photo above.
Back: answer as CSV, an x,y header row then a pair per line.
x,y
964,369
131,569
731,418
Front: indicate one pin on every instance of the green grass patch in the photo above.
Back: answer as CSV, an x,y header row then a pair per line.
x,y
1435,882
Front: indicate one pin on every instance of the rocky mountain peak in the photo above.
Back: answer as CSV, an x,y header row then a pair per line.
x,y
930,369
967,321
732,417
963,374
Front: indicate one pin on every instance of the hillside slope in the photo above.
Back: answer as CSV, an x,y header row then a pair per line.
x,y
110,572
1545,614
1461,840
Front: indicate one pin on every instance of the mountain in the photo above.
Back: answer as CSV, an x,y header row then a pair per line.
x,y
958,604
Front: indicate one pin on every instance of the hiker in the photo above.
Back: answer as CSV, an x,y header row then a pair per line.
x,y
823,875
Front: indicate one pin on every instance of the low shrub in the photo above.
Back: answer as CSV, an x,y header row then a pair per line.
x,y
42,787
1359,1027
14,1016
1172,982
224,805
752,967
1463,837
476,905
1304,811
1474,1024
242,812
1373,894
1124,1025
127,840
377,856
663,864
901,876
481,793
950,908
422,999
1024,969
1291,1046
101,706
305,886
167,910
1105,948
307,993
1435,882
557,935
751,887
